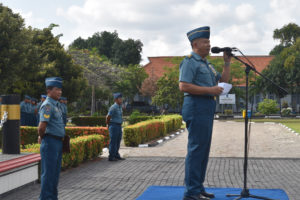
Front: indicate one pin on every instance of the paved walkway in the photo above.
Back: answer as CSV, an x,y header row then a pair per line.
x,y
266,141
164,165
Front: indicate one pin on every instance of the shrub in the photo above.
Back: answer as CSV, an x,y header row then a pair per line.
x,y
89,121
151,129
286,111
228,112
136,117
29,135
82,148
284,104
268,106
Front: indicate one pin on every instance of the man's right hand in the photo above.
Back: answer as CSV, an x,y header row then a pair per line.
x,y
216,90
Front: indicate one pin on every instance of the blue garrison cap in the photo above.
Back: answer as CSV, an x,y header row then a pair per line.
x,y
202,32
117,95
34,99
44,96
54,82
27,97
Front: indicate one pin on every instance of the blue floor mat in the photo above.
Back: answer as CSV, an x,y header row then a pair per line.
x,y
176,193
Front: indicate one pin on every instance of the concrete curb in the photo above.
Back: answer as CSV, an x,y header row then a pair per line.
x,y
284,126
166,138
291,130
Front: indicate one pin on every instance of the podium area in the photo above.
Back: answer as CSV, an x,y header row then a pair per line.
x,y
17,170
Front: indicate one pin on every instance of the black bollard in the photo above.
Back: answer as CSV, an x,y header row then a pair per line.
x,y
11,128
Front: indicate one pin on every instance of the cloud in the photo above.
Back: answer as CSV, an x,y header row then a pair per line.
x,y
245,12
162,25
30,19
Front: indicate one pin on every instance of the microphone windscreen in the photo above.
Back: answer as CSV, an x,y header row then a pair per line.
x,y
216,50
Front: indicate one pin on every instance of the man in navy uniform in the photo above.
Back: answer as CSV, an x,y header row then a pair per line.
x,y
64,109
33,112
114,121
198,80
51,133
25,109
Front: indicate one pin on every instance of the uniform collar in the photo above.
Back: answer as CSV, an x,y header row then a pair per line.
x,y
117,104
51,100
198,57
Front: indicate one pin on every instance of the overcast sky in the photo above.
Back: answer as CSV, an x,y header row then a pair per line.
x,y
162,25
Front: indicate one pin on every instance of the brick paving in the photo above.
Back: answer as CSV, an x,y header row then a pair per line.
x,y
164,165
128,179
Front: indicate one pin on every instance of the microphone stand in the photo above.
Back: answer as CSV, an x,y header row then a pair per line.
x,y
245,192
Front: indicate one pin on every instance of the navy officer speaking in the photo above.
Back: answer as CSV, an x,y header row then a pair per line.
x,y
198,80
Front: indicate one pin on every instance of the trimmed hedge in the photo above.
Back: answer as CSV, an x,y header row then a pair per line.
x,y
29,135
151,129
89,121
82,148
136,119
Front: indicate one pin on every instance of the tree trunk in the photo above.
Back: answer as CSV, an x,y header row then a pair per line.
x,y
93,101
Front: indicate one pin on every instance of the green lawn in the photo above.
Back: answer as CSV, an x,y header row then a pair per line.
x,y
291,123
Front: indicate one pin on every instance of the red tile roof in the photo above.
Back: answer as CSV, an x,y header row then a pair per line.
x,y
157,64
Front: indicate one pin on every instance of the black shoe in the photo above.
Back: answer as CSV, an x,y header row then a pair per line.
x,y
112,159
120,158
209,195
196,197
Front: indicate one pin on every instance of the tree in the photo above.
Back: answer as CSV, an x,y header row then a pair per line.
x,y
13,43
118,51
287,35
284,69
28,56
99,72
131,81
127,52
168,92
149,86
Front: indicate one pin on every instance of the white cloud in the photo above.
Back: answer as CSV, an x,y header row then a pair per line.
x,y
245,12
30,19
162,25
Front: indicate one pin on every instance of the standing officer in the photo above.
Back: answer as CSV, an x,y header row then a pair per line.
x,y
51,133
114,121
25,106
198,80
43,98
33,112
64,109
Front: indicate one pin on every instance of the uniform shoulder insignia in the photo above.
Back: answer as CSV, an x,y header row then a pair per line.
x,y
46,116
189,56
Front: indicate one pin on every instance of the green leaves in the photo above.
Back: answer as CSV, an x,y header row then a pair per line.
x,y
268,106
118,51
28,56
168,89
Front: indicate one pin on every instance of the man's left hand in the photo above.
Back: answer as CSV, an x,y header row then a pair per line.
x,y
227,58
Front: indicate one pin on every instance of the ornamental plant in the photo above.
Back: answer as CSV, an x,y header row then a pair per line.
x,y
268,106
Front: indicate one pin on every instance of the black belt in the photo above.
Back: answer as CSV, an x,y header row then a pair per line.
x,y
201,96
54,136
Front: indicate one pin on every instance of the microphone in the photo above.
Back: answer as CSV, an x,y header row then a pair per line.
x,y
226,49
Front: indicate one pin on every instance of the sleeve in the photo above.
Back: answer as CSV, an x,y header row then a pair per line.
x,y
187,71
45,113
111,111
218,77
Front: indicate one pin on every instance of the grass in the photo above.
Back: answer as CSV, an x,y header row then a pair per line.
x,y
291,123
